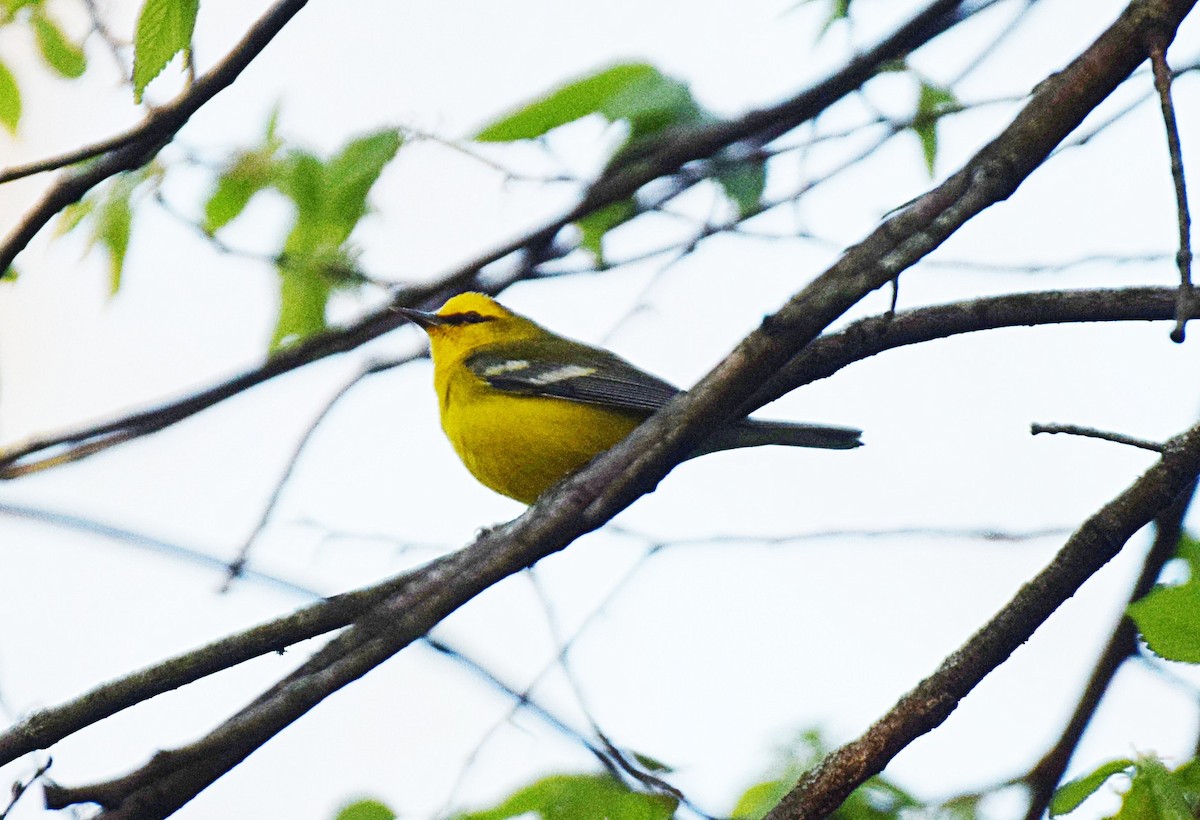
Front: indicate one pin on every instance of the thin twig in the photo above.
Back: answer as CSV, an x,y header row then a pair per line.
x,y
924,533
85,152
1084,137
1183,259
101,28
1091,432
238,564
21,786
987,51
524,700
1044,777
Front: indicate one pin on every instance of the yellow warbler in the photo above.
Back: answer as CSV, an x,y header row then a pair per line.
x,y
525,407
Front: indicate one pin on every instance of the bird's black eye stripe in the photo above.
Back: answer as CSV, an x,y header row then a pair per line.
x,y
470,317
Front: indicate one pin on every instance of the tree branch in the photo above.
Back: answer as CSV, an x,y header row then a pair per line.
x,y
137,147
1044,777
1093,545
868,337
1091,432
1162,83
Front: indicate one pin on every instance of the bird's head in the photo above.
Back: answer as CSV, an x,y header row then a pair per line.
x,y
469,321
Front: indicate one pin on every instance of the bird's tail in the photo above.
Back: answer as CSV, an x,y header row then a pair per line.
x,y
756,433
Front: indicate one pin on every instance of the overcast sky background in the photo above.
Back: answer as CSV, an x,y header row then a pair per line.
x,y
709,656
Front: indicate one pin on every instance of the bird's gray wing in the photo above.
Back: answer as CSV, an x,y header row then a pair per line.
x,y
562,369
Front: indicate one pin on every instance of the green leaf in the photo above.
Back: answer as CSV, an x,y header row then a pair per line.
x,y
350,175
743,183
301,178
575,796
303,293
1189,550
876,799
760,798
9,9
10,100
595,225
113,224
330,199
963,807
578,99
651,103
1188,775
838,10
59,53
164,28
932,102
652,764
248,175
109,214
1155,794
366,810
1069,796
70,217
1169,620
10,274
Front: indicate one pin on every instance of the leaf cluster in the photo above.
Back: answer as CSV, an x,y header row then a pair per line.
x,y
329,197
61,54
650,106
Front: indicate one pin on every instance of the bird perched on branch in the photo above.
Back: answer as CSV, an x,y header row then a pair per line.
x,y
525,407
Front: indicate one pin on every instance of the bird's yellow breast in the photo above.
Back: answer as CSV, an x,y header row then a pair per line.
x,y
520,445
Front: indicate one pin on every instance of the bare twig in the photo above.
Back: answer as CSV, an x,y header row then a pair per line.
x,y
1162,83
1111,259
110,40
1086,136
20,787
524,700
238,565
924,533
1091,432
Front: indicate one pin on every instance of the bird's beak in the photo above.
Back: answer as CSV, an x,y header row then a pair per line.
x,y
420,317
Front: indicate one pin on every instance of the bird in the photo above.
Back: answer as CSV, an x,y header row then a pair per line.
x,y
524,407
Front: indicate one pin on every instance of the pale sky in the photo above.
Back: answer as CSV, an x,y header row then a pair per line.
x,y
709,656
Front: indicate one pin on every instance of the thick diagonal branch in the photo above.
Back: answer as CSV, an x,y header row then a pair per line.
x,y
1044,777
